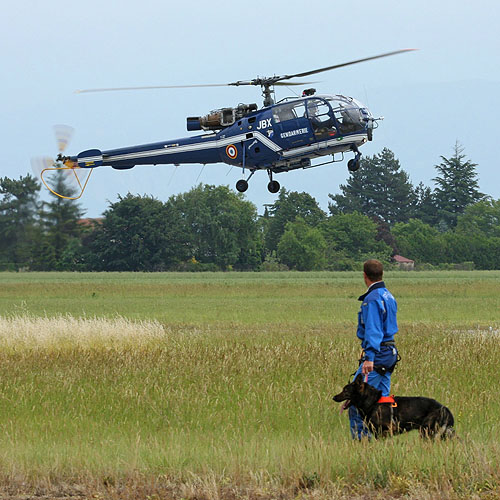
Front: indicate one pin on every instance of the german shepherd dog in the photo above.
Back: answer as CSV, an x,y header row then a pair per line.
x,y
431,418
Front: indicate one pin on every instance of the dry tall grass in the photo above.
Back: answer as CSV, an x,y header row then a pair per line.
x,y
129,409
21,332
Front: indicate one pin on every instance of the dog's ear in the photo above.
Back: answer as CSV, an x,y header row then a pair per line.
x,y
359,379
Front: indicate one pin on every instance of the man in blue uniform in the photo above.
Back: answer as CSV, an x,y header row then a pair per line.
x,y
377,326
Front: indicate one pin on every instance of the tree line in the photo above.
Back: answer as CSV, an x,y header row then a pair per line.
x,y
377,214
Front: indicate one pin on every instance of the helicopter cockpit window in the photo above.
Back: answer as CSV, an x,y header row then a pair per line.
x,y
320,116
348,115
289,111
319,113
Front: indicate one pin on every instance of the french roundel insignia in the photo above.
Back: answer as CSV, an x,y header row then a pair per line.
x,y
231,151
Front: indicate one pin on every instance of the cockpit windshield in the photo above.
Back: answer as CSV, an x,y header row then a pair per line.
x,y
350,114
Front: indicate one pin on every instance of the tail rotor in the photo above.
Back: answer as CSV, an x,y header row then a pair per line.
x,y
63,134
45,167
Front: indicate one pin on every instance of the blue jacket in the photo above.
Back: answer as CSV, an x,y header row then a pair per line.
x,y
376,319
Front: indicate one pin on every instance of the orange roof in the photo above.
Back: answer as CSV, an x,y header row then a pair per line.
x,y
403,260
89,221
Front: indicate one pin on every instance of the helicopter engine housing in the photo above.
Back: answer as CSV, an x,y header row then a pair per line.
x,y
220,118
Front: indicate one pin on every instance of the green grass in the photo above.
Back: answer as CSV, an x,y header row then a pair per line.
x,y
460,298
219,385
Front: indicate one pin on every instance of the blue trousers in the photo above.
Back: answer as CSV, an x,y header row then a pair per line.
x,y
380,382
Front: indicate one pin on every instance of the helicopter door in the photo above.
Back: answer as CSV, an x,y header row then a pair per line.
x,y
321,117
291,126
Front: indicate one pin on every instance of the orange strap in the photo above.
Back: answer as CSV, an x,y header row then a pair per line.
x,y
388,399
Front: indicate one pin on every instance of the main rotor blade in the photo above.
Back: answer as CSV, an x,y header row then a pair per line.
x,y
273,80
234,84
335,66
152,88
286,84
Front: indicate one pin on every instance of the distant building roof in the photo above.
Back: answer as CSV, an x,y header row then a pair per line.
x,y
90,221
402,260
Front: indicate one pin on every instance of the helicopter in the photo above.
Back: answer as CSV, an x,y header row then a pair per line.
x,y
279,137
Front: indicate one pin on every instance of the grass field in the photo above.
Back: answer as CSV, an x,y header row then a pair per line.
x,y
219,385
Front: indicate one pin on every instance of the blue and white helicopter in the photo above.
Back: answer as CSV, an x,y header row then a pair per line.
x,y
279,137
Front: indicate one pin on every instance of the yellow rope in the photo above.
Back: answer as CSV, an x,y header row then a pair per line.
x,y
74,173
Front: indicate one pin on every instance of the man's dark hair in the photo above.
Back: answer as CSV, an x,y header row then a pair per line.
x,y
374,269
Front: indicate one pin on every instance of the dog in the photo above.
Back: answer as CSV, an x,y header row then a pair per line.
x,y
431,418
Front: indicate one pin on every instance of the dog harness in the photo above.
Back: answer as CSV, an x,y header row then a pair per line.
x,y
388,399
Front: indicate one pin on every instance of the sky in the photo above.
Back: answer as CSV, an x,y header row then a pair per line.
x,y
445,92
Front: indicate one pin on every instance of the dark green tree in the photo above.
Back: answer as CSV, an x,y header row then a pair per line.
x,y
43,255
302,247
380,188
481,218
222,227
425,205
61,216
137,233
476,237
352,238
384,234
18,220
456,187
419,241
289,206
460,248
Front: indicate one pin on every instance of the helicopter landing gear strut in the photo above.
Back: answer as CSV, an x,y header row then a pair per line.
x,y
353,164
273,186
242,184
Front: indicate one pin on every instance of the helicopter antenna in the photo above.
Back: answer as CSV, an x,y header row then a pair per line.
x,y
293,91
172,176
199,175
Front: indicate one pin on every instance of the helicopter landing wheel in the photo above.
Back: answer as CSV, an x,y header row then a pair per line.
x,y
352,165
242,185
273,186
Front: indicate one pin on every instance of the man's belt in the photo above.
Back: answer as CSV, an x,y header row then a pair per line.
x,y
389,343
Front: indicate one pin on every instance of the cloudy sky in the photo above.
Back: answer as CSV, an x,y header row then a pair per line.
x,y
447,91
